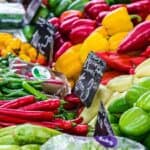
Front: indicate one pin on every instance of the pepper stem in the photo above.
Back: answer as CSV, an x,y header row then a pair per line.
x,y
135,16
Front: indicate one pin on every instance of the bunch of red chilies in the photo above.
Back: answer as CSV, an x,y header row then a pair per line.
x,y
28,110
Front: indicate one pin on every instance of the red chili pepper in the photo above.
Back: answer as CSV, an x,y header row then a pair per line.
x,y
70,13
83,22
146,53
137,39
137,60
48,105
96,9
77,120
32,115
19,102
55,21
107,76
62,49
6,124
101,15
66,26
80,31
72,99
2,102
80,130
118,62
91,3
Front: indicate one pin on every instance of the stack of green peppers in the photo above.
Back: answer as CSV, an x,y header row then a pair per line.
x,y
129,114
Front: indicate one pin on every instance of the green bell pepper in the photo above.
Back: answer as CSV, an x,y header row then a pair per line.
x,y
63,5
111,2
134,93
54,3
112,118
134,122
119,105
78,5
144,101
30,147
147,141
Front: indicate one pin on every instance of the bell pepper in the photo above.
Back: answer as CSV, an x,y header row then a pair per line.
x,y
62,6
146,53
111,2
118,105
55,21
116,39
69,63
77,5
144,101
148,18
134,122
90,44
136,39
147,141
115,128
144,82
53,3
117,21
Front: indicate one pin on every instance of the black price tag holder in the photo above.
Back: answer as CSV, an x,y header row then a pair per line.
x,y
89,80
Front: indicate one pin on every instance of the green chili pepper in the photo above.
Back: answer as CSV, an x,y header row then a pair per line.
x,y
62,7
113,118
116,130
111,2
33,91
17,93
134,122
77,5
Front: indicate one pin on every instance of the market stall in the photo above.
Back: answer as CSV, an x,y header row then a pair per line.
x,y
75,75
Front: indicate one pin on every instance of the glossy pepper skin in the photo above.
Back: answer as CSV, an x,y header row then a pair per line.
x,y
121,16
134,122
111,2
136,39
144,101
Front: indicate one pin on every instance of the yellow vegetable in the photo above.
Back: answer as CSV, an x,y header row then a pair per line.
x,y
95,42
102,31
25,57
148,18
32,53
117,21
115,40
69,63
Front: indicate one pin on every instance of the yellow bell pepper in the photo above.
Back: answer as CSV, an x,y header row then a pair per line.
x,y
69,62
103,31
25,57
117,21
95,42
115,40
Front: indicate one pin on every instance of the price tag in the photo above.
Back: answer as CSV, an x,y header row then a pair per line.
x,y
89,79
43,38
31,11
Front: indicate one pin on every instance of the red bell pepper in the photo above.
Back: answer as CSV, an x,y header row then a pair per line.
x,y
137,39
146,53
55,21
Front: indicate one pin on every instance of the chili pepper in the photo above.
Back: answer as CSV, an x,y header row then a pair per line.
x,y
53,3
80,129
33,91
146,53
134,122
17,93
77,5
107,76
80,31
2,102
136,39
30,115
62,6
72,99
70,13
22,101
91,3
101,15
66,26
47,105
97,8
4,124
55,21
62,49
77,120
111,2
137,60
121,63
